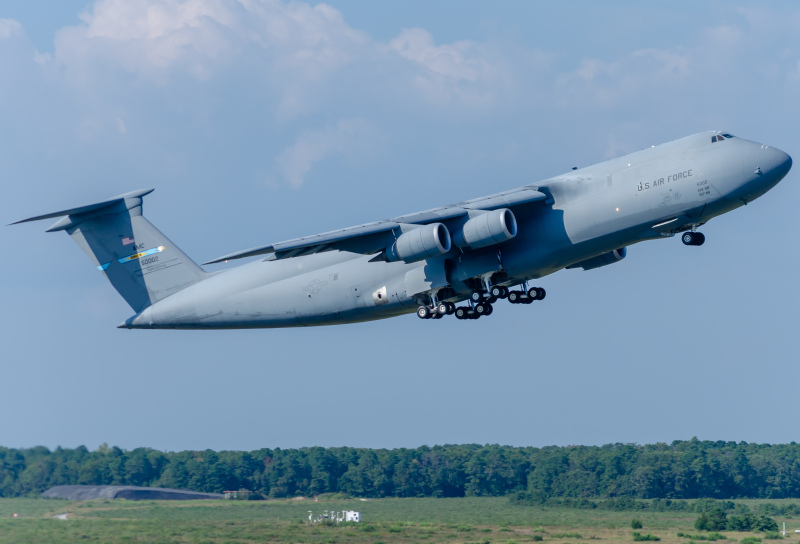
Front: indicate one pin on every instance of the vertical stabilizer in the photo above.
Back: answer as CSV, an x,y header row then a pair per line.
x,y
142,264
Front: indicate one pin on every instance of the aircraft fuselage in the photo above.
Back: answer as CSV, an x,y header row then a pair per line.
x,y
592,211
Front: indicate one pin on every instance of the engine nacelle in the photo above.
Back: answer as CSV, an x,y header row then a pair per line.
x,y
602,260
421,243
487,229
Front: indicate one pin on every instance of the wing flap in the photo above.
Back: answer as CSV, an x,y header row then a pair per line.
x,y
326,241
252,252
431,216
505,200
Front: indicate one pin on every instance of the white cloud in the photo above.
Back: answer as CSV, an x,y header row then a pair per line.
x,y
666,64
641,73
754,44
153,38
354,139
287,50
457,61
147,38
461,70
9,28
310,39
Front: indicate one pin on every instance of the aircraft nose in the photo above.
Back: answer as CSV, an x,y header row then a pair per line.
x,y
764,167
778,162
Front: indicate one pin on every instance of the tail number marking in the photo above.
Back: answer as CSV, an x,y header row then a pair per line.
x,y
136,256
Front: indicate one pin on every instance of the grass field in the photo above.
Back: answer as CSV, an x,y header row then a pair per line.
x,y
475,520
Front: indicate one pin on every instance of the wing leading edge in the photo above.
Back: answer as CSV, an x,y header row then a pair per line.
x,y
371,238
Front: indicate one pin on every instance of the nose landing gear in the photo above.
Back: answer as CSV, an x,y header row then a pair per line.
x,y
693,238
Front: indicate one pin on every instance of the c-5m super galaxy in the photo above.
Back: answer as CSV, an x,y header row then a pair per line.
x,y
459,259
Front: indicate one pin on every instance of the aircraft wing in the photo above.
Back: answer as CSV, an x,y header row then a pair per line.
x,y
374,237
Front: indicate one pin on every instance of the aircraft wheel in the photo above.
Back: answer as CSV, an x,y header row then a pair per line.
x,y
481,308
489,309
513,297
442,308
476,296
542,293
461,313
693,238
451,308
533,292
437,315
497,291
423,312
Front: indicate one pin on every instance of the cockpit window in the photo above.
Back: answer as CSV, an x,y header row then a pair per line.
x,y
720,137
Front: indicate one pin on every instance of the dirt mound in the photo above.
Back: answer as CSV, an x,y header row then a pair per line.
x,y
132,493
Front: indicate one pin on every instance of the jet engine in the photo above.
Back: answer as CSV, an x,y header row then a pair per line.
x,y
487,229
420,243
601,260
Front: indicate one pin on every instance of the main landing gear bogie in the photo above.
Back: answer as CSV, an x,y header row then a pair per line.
x,y
490,296
690,238
480,309
481,302
527,297
537,293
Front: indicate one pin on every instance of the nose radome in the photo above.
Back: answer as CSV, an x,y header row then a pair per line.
x,y
779,161
786,162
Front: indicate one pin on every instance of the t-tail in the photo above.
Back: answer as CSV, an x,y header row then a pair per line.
x,y
142,264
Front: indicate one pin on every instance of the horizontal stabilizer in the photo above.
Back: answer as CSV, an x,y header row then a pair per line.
x,y
88,208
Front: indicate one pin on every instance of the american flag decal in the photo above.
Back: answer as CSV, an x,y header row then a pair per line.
x,y
127,241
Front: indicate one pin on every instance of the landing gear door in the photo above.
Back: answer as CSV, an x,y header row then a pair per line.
x,y
425,278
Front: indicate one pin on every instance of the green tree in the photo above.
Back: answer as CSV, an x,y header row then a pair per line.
x,y
765,523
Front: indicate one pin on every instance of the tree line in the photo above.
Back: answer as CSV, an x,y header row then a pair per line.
x,y
681,470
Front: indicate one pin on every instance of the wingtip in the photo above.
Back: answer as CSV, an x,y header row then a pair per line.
x,y
21,221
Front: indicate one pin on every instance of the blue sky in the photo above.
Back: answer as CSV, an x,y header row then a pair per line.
x,y
259,121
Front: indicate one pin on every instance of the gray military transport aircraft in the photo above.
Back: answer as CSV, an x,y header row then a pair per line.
x,y
478,251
